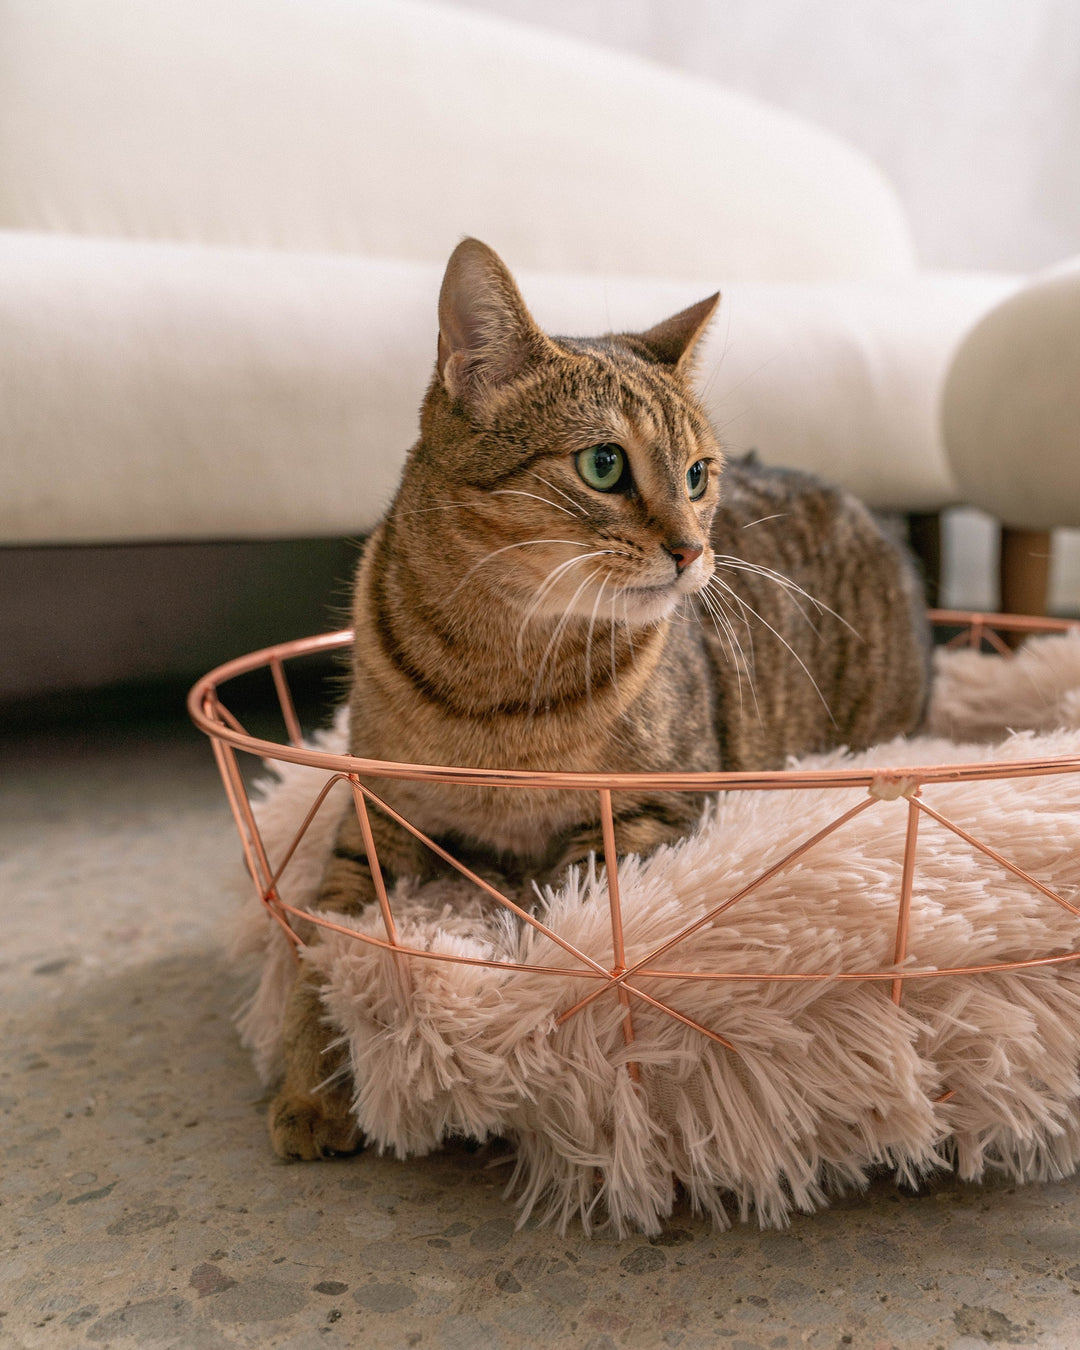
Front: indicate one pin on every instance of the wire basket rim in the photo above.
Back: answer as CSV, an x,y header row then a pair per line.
x,y
207,712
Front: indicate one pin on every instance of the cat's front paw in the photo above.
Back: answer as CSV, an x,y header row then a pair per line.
x,y
306,1126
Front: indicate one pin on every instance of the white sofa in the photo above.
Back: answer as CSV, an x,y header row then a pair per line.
x,y
1011,417
223,222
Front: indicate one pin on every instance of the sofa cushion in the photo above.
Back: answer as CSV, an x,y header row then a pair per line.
x,y
165,391
395,127
844,379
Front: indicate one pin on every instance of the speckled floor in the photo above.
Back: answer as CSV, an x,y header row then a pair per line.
x,y
141,1205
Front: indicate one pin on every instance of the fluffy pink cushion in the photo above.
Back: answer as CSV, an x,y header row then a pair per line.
x,y
825,1080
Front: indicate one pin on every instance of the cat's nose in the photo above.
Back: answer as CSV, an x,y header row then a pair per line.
x,y
684,554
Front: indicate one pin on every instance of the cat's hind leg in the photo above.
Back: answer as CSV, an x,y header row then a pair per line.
x,y
311,1116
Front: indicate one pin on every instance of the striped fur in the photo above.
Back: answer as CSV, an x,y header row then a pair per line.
x,y
509,615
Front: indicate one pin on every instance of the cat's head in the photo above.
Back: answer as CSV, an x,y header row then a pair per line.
x,y
579,476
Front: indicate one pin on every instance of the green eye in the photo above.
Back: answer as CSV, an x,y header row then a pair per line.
x,y
697,480
601,466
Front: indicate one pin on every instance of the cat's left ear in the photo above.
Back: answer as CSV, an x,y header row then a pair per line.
x,y
487,337
672,342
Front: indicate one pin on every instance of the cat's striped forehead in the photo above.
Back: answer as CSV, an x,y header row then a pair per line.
x,y
597,390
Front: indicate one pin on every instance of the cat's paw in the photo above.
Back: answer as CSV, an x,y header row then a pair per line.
x,y
304,1127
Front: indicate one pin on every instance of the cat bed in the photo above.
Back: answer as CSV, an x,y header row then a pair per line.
x,y
746,1095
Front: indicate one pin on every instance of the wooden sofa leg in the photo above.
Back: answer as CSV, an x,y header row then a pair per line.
x,y
1024,570
924,540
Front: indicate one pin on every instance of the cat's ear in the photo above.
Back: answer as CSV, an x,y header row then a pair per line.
x,y
486,334
672,342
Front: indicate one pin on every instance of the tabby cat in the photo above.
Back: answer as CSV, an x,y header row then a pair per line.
x,y
570,576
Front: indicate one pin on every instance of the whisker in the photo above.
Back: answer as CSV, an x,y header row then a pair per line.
x,y
518,492
716,607
614,666
749,662
779,515
556,638
722,639
557,571
548,483
738,615
546,585
721,623
770,574
754,569
750,375
522,543
446,506
589,637
538,599
706,388
780,638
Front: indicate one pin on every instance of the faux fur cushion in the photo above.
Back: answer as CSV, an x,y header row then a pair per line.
x,y
828,1079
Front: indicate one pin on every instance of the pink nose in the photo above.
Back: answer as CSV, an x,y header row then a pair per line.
x,y
684,554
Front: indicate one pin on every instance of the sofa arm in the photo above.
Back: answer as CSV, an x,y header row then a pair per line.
x,y
839,378
844,379
1012,406
1011,416
169,392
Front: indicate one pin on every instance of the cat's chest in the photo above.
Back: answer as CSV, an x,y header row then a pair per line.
x,y
420,701
392,720
518,821
416,701
398,724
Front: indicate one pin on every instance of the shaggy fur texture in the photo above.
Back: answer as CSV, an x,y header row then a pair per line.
x,y
830,1079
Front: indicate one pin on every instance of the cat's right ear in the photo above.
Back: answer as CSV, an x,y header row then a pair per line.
x,y
486,335
672,342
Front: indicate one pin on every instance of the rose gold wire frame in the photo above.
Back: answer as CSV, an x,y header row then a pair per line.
x,y
612,976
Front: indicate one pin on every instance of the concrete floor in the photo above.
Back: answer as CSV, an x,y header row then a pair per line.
x,y
141,1205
